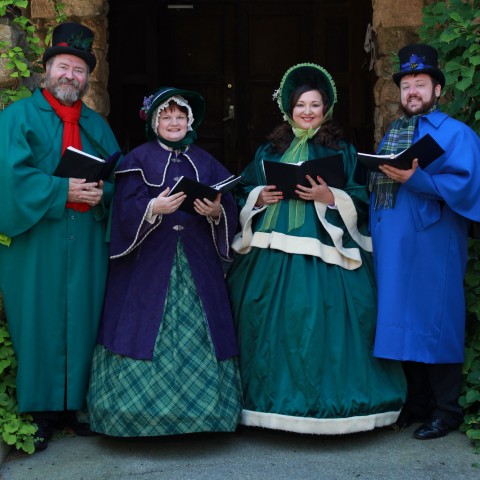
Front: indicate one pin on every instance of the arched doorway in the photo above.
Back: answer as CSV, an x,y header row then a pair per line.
x,y
234,52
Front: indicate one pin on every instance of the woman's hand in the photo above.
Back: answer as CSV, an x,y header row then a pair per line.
x,y
268,196
208,208
79,191
398,175
164,205
318,192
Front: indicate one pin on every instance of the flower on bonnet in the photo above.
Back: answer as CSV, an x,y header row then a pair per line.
x,y
147,103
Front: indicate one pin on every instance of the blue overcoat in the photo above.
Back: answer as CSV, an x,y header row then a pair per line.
x,y
420,250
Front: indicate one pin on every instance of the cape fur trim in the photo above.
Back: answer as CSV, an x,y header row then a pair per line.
x,y
348,258
318,426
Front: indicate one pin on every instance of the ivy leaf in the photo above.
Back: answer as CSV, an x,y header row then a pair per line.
x,y
448,36
464,84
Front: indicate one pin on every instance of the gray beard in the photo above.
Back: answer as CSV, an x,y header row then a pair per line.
x,y
66,96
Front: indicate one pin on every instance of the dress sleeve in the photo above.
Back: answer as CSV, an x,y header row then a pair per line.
x,y
130,223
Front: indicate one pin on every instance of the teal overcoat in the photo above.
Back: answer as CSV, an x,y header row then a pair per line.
x,y
52,276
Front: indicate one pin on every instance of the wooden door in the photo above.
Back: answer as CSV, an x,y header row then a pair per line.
x,y
234,52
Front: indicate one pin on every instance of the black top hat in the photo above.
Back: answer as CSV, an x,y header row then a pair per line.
x,y
73,39
418,58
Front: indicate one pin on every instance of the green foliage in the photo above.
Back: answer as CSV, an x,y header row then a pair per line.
x,y
453,28
17,429
23,60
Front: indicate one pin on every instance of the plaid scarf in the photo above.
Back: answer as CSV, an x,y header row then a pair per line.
x,y
399,138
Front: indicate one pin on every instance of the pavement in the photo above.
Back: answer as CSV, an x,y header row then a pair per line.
x,y
250,454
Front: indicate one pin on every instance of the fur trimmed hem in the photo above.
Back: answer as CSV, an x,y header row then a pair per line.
x,y
318,426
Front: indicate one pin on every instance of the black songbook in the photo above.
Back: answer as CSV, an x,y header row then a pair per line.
x,y
194,190
426,150
77,164
286,176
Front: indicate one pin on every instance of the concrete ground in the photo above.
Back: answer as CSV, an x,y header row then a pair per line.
x,y
250,453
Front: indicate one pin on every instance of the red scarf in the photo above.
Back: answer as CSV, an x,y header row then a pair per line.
x,y
70,115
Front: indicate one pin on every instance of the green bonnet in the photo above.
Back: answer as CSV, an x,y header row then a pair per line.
x,y
193,101
305,74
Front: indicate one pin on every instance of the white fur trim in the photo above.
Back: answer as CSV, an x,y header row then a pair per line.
x,y
318,426
348,258
348,212
242,240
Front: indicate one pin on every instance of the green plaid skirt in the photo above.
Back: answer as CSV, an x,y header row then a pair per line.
x,y
183,389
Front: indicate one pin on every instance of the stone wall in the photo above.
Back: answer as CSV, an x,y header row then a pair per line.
x,y
93,14
395,23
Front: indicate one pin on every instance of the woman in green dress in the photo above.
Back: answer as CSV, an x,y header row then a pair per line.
x,y
302,285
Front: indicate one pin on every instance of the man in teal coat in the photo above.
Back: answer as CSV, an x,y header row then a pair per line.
x,y
53,254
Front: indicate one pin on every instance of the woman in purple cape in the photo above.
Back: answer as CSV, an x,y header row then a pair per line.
x,y
165,360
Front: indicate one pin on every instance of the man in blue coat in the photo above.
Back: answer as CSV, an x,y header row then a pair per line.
x,y
419,224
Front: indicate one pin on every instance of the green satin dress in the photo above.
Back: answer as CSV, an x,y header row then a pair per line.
x,y
304,303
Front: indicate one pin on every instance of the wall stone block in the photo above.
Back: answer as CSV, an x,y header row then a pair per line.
x,y
41,9
394,13
97,99
86,8
389,93
390,40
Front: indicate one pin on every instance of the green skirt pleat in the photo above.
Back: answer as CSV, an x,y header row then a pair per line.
x,y
183,389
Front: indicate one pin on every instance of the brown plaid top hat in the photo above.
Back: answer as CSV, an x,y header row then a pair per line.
x,y
73,39
418,58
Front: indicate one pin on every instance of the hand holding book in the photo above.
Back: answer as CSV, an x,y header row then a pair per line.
x,y
426,150
166,203
78,164
197,190
286,176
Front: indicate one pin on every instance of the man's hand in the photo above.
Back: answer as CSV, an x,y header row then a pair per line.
x,y
400,176
81,191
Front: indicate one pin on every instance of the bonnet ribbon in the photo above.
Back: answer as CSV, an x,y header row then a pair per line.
x,y
297,152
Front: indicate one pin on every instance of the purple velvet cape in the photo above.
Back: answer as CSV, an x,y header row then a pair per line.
x,y
142,254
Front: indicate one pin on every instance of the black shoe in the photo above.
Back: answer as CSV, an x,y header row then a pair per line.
x,y
435,427
405,419
80,429
69,421
42,436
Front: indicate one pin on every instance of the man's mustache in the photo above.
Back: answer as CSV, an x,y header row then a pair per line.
x,y
66,81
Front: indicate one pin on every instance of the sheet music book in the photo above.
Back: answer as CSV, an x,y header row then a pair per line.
x,y
286,176
426,150
194,190
78,164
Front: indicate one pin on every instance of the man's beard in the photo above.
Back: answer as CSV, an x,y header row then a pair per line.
x,y
66,96
424,109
